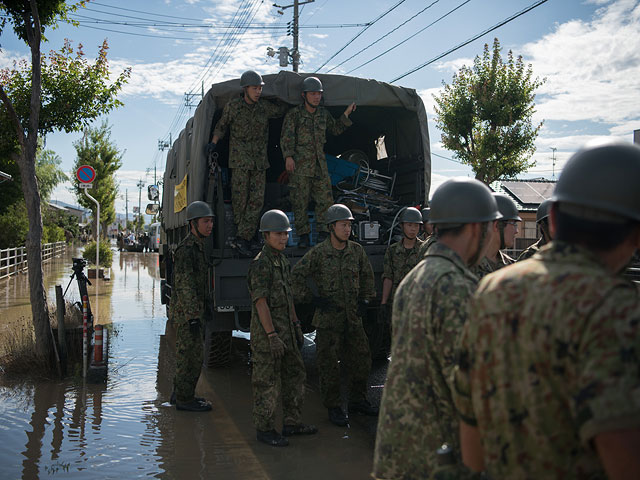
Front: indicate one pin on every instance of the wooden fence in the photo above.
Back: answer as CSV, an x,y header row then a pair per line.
x,y
14,260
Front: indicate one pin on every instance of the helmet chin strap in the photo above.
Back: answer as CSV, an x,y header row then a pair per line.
x,y
475,258
332,232
501,230
195,225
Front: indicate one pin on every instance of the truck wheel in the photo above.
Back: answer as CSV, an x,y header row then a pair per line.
x,y
219,349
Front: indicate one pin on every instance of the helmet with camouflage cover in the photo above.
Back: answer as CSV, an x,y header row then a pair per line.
x,y
275,221
507,207
251,78
198,209
411,215
463,200
543,210
312,84
338,212
603,177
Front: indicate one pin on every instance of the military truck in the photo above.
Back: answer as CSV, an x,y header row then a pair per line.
x,y
379,165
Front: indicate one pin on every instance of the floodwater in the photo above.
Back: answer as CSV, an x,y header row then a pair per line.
x,y
127,429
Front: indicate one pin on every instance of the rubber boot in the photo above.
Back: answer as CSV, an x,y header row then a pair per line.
x,y
337,417
271,437
363,407
299,429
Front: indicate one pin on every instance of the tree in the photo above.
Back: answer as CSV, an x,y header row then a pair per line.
x,y
63,92
485,115
48,172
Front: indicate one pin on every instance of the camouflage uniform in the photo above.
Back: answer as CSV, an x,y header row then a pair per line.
x,y
188,302
487,266
343,277
269,277
417,414
398,261
547,362
531,250
431,239
248,140
303,137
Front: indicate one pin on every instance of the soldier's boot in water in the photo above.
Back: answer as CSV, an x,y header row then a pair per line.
x,y
303,241
299,429
193,406
271,437
172,399
363,407
242,246
337,417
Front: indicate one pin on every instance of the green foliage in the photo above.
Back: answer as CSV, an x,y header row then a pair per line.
x,y
106,255
485,115
14,225
48,172
52,234
66,221
49,12
97,149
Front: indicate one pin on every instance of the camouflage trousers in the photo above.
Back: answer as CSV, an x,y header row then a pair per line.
x,y
351,347
247,199
303,189
189,356
271,378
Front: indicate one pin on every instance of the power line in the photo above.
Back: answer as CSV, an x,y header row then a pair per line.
x,y
447,158
384,36
410,37
360,33
475,37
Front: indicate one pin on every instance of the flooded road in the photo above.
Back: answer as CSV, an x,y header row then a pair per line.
x,y
127,429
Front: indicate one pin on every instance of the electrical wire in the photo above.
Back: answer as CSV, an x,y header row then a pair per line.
x,y
475,37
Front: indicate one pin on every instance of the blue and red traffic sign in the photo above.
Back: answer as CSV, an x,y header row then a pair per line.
x,y
86,174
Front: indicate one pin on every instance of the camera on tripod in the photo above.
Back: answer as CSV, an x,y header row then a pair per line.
x,y
79,264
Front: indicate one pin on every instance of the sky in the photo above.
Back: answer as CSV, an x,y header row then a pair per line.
x,y
587,51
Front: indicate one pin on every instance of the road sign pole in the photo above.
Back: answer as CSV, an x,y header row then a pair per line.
x,y
86,192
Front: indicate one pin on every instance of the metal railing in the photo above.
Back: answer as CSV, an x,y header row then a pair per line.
x,y
14,260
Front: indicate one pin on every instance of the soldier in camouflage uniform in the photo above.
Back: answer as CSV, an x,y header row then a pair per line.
x,y
276,337
247,119
542,220
344,279
430,307
495,258
547,383
188,302
429,233
402,256
304,134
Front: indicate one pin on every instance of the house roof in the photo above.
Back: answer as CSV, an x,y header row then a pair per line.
x,y
528,194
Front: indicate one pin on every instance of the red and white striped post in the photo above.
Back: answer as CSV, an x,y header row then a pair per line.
x,y
97,345
84,336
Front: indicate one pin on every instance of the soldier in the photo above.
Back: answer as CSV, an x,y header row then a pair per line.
x,y
507,228
542,220
344,279
547,384
247,118
416,413
304,134
401,257
276,337
188,303
429,232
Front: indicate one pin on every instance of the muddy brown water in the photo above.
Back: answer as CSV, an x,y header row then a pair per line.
x,y
127,429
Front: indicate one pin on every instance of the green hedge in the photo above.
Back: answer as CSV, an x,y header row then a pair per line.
x,y
106,255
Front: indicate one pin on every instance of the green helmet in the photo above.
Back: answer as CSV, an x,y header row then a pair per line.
x,y
411,215
425,214
463,200
603,177
338,212
198,209
275,221
507,207
250,78
543,210
312,84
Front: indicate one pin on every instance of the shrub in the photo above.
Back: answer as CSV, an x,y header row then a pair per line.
x,y
106,255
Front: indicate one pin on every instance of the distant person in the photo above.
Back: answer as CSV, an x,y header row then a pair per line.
x,y
276,337
304,133
542,221
188,302
548,379
246,118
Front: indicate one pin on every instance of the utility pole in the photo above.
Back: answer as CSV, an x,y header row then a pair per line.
x,y
295,52
140,184
553,158
126,209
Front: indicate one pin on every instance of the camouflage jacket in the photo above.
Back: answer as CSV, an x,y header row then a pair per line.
x,y
343,277
547,363
269,277
304,135
487,266
398,261
531,250
417,414
249,126
427,242
190,280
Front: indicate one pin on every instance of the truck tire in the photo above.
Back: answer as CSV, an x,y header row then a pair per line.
x,y
219,349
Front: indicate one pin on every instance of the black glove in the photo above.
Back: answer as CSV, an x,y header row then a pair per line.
x,y
363,305
299,335
321,303
277,346
194,326
211,148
